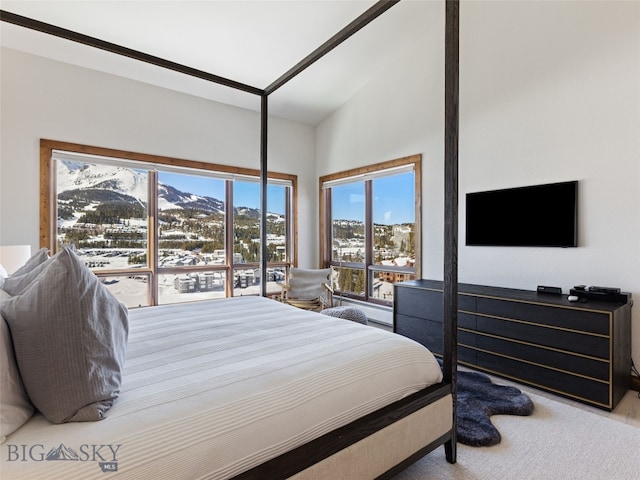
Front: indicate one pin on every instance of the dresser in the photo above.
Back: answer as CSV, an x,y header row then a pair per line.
x,y
580,350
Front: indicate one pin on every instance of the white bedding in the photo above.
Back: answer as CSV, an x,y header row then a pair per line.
x,y
212,389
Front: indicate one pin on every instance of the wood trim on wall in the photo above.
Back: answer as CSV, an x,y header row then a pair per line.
x,y
417,234
47,201
398,162
292,257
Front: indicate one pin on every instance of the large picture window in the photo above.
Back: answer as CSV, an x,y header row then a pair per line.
x,y
158,230
370,227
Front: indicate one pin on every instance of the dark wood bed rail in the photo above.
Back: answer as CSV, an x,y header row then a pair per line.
x,y
304,456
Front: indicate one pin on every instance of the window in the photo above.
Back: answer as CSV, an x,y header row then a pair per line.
x,y
157,230
370,229
246,236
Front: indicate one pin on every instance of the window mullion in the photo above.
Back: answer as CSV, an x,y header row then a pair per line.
x,y
368,235
229,236
326,227
288,212
152,235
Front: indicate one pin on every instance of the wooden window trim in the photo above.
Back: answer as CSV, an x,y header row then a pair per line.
x,y
325,197
48,201
416,160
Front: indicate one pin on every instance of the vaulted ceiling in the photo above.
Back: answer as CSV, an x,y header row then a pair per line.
x,y
252,42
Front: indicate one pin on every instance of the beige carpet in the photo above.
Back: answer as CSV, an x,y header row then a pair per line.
x,y
558,441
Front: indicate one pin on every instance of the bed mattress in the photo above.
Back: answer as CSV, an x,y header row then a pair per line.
x,y
214,388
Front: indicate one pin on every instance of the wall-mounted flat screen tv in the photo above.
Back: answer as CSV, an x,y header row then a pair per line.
x,y
533,216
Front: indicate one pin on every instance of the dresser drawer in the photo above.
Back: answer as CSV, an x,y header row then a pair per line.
x,y
569,341
426,332
419,303
574,386
429,334
582,365
428,304
570,318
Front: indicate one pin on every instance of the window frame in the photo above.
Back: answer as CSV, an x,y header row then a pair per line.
x,y
367,174
48,209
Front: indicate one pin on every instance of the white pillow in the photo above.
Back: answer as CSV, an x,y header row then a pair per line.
x,y
15,406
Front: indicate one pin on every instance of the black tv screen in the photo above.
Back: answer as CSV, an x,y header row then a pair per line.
x,y
534,216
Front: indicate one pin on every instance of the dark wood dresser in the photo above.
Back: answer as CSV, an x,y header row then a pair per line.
x,y
581,350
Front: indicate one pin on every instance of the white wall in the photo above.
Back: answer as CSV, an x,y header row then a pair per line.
x,y
41,98
549,91
398,114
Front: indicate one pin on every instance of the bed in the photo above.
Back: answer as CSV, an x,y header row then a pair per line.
x,y
208,392
243,387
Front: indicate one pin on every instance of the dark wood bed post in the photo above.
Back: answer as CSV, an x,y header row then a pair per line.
x,y
451,211
264,252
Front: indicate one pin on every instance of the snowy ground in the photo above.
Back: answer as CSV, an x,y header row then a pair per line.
x,y
132,290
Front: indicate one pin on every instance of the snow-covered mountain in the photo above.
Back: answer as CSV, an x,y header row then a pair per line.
x,y
170,197
87,184
78,176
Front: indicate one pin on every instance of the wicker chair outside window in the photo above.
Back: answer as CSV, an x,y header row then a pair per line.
x,y
309,289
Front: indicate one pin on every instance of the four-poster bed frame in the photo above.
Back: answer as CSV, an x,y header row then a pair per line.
x,y
361,438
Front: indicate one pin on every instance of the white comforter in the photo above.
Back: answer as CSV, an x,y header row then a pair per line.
x,y
214,388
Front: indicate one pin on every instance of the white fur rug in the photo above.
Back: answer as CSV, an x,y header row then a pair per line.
x,y
558,441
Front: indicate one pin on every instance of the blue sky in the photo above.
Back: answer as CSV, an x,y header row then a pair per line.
x,y
393,196
246,194
393,200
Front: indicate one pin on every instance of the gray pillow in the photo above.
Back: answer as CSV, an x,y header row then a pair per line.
x,y
15,406
36,259
20,280
69,334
